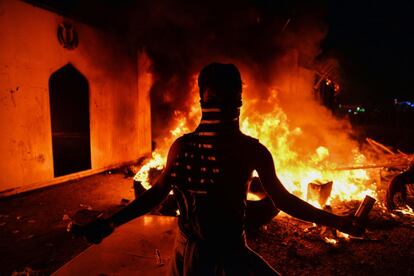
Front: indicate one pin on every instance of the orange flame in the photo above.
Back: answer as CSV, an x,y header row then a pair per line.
x,y
297,165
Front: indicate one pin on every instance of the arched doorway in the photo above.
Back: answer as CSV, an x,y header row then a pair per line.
x,y
69,113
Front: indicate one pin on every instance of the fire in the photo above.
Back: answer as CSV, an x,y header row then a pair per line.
x,y
330,241
157,161
296,171
272,127
406,210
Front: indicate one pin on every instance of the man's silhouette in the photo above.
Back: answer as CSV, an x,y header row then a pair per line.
x,y
208,170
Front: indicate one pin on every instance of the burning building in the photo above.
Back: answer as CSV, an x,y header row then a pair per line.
x,y
74,101
79,99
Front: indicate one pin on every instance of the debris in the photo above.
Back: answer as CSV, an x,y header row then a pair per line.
x,y
2,223
389,158
319,192
31,221
400,191
66,217
29,237
368,239
158,257
28,271
131,171
364,208
85,206
16,231
330,241
378,146
19,217
124,202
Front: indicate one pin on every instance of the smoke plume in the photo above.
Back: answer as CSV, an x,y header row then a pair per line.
x,y
274,43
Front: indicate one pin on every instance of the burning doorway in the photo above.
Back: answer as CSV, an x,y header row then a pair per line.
x,y
69,112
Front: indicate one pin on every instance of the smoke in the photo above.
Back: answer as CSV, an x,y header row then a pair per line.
x,y
270,41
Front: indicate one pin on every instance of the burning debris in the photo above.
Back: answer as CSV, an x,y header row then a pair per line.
x,y
314,155
278,87
319,192
322,177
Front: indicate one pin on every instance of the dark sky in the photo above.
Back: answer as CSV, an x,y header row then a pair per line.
x,y
374,42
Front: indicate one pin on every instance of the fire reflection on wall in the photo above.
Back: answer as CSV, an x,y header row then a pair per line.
x,y
69,112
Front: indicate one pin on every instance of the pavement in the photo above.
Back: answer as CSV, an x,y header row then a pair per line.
x,y
33,236
34,241
141,247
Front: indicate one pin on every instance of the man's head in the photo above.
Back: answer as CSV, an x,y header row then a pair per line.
x,y
220,86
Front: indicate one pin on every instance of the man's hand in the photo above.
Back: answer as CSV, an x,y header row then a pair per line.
x,y
90,225
98,230
350,225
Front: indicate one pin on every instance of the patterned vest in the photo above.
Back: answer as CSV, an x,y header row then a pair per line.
x,y
209,177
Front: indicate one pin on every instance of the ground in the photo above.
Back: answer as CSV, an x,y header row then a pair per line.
x,y
33,234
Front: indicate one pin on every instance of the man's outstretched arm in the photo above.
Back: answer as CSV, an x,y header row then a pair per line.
x,y
150,198
99,229
142,205
291,204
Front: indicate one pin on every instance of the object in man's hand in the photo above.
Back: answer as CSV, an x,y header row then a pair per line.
x,y
91,225
364,208
354,225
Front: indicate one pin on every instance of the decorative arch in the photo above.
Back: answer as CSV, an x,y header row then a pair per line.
x,y
69,113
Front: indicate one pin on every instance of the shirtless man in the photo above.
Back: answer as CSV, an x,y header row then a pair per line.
x,y
209,170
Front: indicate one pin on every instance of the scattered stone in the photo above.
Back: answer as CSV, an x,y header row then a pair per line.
x,y
27,271
158,258
19,217
88,207
66,217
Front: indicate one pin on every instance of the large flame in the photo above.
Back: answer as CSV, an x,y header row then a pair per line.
x,y
297,162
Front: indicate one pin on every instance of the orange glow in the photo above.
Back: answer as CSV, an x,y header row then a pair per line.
x,y
253,197
299,157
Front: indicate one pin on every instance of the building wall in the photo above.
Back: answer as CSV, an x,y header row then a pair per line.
x,y
29,54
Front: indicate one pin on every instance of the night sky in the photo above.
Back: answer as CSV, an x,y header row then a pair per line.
x,y
374,42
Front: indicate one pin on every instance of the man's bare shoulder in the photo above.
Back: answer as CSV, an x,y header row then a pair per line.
x,y
178,143
254,143
257,150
